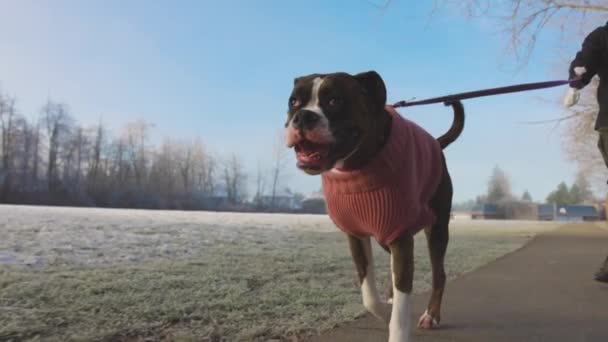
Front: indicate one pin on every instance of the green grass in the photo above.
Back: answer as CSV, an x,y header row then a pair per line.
x,y
246,290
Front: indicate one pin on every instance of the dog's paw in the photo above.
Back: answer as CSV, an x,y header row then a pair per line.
x,y
381,311
377,307
427,322
399,336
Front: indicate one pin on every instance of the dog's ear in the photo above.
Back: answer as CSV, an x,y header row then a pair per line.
x,y
374,87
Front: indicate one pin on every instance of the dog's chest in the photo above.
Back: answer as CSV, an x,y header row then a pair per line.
x,y
391,194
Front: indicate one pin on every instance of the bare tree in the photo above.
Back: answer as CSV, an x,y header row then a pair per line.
x,y
79,144
24,152
186,164
525,20
57,122
90,166
7,135
203,169
280,157
136,138
68,158
119,167
499,186
260,186
165,169
208,172
234,179
526,197
26,142
35,154
95,170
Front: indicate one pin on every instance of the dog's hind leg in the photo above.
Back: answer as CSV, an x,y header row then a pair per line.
x,y
361,251
437,238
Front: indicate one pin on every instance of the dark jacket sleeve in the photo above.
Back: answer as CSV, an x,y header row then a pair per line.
x,y
590,56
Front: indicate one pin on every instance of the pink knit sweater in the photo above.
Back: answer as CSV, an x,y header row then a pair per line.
x,y
390,195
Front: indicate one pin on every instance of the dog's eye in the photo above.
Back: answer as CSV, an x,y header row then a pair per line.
x,y
333,101
293,102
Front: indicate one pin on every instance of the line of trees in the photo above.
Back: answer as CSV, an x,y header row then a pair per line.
x,y
55,160
499,192
578,193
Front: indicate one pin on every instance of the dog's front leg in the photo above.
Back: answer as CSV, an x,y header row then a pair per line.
x,y
402,266
361,251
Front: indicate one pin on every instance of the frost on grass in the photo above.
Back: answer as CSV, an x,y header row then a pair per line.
x,y
74,236
84,274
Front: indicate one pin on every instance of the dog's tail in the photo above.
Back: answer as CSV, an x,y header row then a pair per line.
x,y
457,125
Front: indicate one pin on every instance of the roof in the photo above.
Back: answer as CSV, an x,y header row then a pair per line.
x,y
315,195
577,210
278,197
487,208
546,209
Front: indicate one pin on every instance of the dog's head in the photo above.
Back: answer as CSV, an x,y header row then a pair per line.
x,y
332,116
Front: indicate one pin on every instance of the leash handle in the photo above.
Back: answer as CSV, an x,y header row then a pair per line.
x,y
485,92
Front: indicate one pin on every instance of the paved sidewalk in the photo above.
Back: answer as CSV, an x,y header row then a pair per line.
x,y
542,292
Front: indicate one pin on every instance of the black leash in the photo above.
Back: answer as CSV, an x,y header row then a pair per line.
x,y
485,92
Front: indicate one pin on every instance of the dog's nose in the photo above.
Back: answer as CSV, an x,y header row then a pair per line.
x,y
305,119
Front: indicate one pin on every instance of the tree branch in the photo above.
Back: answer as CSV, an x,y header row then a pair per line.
x,y
541,122
581,7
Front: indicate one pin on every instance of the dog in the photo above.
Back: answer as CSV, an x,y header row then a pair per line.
x,y
382,176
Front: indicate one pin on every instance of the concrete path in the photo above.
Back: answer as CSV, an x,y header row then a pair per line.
x,y
542,292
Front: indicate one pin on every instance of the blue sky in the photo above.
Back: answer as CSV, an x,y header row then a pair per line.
x,y
222,70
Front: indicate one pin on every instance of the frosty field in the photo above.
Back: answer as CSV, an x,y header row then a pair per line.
x,y
108,274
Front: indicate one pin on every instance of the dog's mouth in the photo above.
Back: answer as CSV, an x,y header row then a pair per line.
x,y
313,158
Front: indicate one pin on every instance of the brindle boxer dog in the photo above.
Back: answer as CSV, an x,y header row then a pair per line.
x,y
341,128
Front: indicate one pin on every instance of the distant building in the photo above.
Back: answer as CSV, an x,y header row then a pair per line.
x,y
314,204
546,212
571,213
518,210
284,202
577,213
220,201
542,212
487,211
216,202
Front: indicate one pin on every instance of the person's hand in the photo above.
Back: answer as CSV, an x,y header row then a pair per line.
x,y
579,71
572,97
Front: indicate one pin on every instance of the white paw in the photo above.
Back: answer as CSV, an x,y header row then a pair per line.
x,y
400,326
427,322
399,336
580,70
